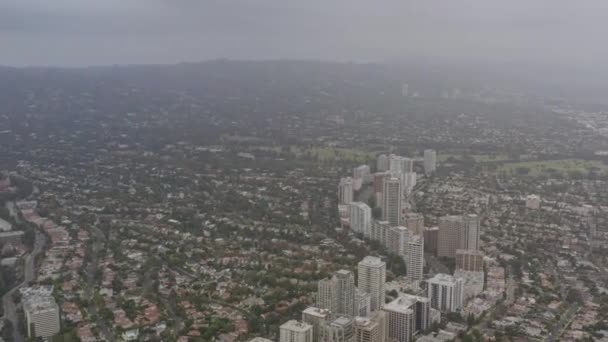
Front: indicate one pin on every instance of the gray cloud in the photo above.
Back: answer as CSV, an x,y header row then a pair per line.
x,y
76,32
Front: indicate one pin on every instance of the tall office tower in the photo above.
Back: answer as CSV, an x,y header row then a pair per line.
x,y
362,303
327,295
260,339
394,164
415,258
430,161
414,222
397,241
371,329
346,292
392,197
431,236
361,218
382,164
372,279
445,292
470,233
294,331
469,260
42,316
379,186
380,232
345,190
409,181
340,329
407,316
457,232
337,293
361,171
316,318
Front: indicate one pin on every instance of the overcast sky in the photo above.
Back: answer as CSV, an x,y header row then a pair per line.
x,y
93,32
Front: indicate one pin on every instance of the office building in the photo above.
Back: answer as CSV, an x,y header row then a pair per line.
x,y
337,293
316,317
415,258
341,329
469,260
397,241
361,218
363,302
414,222
457,232
445,292
372,279
41,315
382,163
407,316
391,203
346,190
380,231
430,161
371,329
431,237
294,331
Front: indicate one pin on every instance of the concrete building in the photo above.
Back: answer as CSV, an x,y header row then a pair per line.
x,y
341,329
392,201
414,222
430,161
371,329
382,163
316,317
361,218
362,172
407,316
380,231
415,258
379,187
294,331
372,279
457,232
473,283
532,202
337,293
346,190
469,260
363,302
14,237
445,292
260,339
397,241
408,182
431,237
41,316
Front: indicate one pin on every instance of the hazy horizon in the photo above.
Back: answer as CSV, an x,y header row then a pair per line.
x,y
69,33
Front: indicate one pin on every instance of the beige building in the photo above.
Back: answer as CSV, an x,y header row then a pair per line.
x,y
469,260
294,331
457,232
372,280
42,316
371,329
407,316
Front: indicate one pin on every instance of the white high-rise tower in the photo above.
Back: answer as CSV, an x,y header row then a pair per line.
x,y
372,279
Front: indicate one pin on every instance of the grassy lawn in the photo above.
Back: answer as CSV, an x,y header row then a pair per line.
x,y
563,166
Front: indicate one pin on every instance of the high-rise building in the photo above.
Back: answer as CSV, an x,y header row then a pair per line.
x,y
457,232
371,329
42,316
361,218
346,190
397,240
294,331
392,197
415,258
469,260
445,292
363,302
407,316
372,279
409,181
337,293
316,317
430,161
361,172
382,164
532,202
380,231
414,222
341,329
398,164
431,236
346,292
379,187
